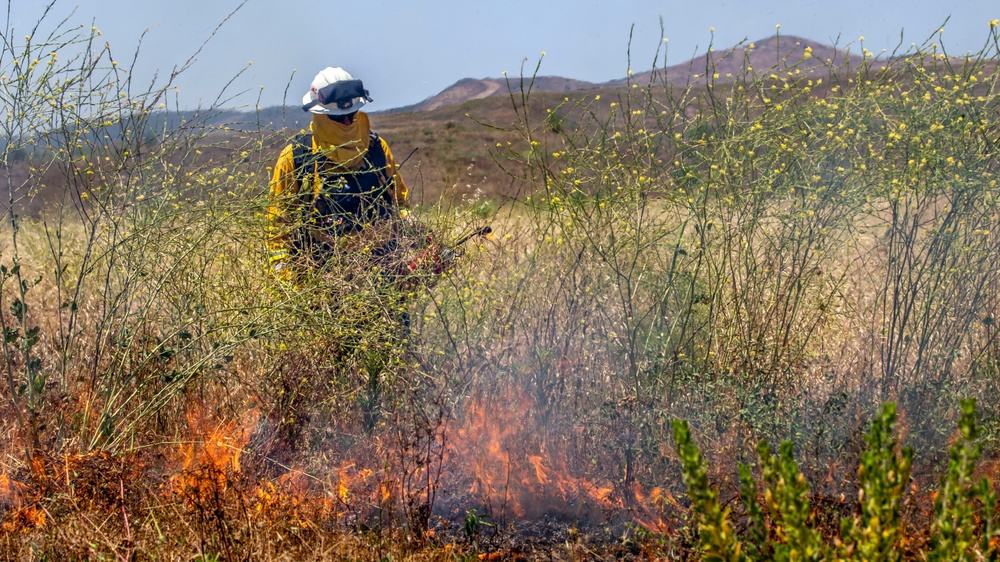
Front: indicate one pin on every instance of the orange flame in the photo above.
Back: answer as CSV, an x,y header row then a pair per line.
x,y
24,519
512,466
213,456
24,515
290,497
10,491
649,509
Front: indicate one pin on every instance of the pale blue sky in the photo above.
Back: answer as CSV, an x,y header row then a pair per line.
x,y
406,51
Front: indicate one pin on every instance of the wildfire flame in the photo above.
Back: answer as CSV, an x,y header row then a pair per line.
x,y
23,514
213,456
649,509
10,491
24,519
511,468
499,456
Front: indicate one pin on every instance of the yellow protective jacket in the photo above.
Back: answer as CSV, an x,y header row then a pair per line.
x,y
345,147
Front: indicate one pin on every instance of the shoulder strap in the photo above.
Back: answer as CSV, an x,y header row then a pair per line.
x,y
301,150
376,157
302,153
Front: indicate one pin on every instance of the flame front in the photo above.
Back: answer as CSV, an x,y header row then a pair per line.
x,y
22,513
512,468
212,458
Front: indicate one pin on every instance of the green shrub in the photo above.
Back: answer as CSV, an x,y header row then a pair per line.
x,y
787,499
964,509
784,527
715,531
884,476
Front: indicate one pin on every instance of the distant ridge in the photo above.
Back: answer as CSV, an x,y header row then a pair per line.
x,y
468,89
784,51
764,54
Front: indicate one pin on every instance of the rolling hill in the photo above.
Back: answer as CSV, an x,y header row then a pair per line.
x,y
788,51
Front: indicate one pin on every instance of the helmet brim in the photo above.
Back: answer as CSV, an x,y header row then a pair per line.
x,y
312,105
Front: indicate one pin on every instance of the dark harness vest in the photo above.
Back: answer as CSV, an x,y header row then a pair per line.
x,y
348,200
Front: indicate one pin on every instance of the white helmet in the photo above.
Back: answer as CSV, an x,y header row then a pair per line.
x,y
335,92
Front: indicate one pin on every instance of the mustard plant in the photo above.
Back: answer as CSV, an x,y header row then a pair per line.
x,y
957,521
757,545
715,530
884,475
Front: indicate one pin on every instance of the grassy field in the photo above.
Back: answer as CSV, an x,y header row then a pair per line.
x,y
801,265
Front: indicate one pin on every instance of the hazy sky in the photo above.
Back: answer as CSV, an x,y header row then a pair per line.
x,y
406,51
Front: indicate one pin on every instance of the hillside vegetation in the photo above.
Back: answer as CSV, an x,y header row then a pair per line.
x,y
751,316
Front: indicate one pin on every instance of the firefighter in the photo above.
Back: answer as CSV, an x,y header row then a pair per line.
x,y
332,183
